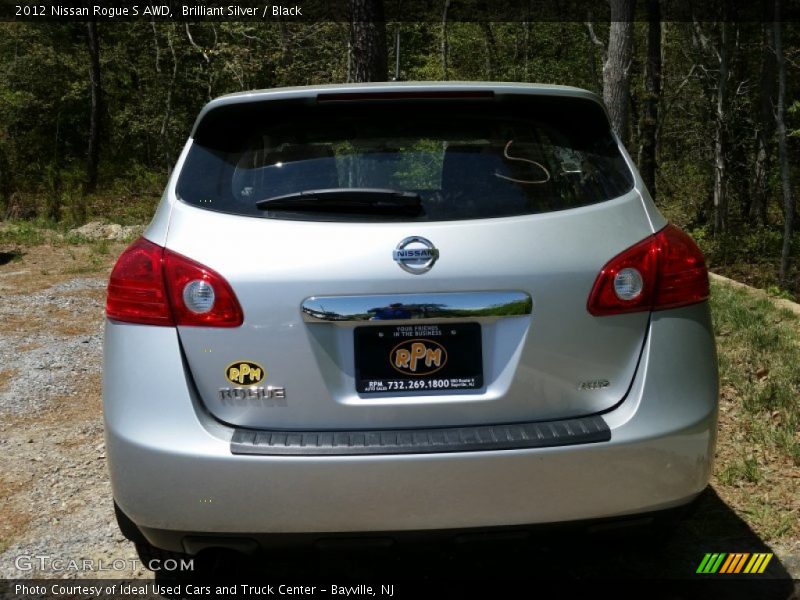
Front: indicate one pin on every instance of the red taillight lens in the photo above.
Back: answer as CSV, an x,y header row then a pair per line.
x,y
179,272
682,273
147,287
136,292
672,269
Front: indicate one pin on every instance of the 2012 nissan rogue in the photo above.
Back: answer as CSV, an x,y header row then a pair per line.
x,y
400,308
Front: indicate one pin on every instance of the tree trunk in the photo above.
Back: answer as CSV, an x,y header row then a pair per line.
x,y
52,204
720,142
783,153
368,40
488,39
397,54
287,56
617,65
526,25
766,129
445,45
94,116
5,181
349,60
652,96
166,141
491,50
594,44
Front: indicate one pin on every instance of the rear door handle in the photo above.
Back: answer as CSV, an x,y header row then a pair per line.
x,y
404,307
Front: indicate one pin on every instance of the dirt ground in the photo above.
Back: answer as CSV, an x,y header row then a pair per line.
x,y
55,497
54,485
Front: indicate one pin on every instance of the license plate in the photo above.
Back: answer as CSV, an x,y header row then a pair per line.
x,y
412,358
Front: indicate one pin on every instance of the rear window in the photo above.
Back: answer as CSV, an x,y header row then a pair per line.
x,y
465,159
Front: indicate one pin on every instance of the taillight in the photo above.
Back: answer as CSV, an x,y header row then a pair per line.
x,y
682,273
199,295
154,286
136,292
666,270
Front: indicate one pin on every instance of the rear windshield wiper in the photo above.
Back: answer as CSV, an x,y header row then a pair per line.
x,y
347,200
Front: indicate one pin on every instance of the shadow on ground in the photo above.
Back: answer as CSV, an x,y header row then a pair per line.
x,y
7,256
709,526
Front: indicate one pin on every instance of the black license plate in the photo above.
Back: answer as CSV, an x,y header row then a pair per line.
x,y
413,358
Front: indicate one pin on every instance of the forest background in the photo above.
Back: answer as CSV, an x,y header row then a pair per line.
x,y
94,114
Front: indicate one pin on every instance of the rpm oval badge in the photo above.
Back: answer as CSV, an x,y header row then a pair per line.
x,y
418,357
245,372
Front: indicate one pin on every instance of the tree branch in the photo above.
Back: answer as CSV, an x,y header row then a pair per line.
x,y
194,45
597,42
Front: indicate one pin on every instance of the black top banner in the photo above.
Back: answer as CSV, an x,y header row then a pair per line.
x,y
395,10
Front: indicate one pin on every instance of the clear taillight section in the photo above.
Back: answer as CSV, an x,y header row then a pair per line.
x,y
199,296
666,270
151,285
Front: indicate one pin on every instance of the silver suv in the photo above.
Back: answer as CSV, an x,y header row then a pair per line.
x,y
403,308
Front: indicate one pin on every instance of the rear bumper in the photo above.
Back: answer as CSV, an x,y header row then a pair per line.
x,y
172,469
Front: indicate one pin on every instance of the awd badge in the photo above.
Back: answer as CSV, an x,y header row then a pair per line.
x,y
244,372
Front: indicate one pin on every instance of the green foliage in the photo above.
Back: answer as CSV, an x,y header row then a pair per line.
x,y
748,254
794,111
421,166
156,77
776,292
745,469
25,233
759,359
756,245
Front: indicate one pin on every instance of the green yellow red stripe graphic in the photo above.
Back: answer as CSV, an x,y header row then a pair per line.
x,y
734,562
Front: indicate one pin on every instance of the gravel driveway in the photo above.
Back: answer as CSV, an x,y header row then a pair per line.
x,y
54,482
